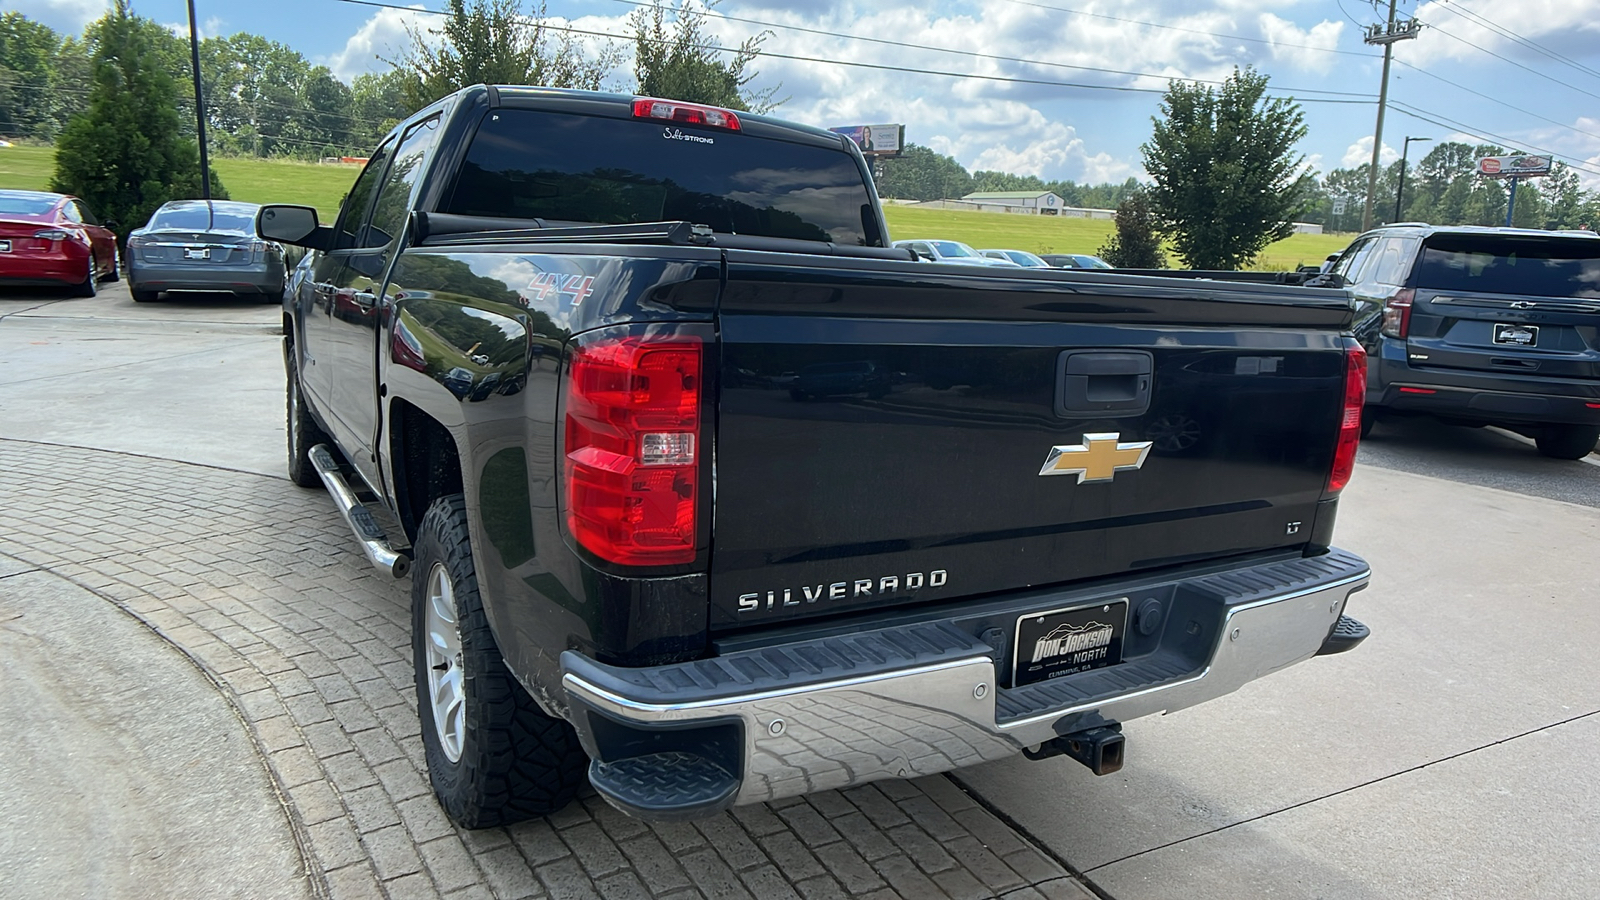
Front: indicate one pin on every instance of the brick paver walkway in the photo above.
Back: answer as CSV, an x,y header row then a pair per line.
x,y
259,582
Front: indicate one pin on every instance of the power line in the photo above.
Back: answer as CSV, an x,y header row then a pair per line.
x,y
1434,118
977,55
1496,99
884,67
1513,62
1475,18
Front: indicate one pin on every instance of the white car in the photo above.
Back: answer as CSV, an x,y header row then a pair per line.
x,y
953,252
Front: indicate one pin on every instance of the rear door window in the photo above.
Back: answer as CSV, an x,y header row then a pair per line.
x,y
1511,264
592,169
1391,259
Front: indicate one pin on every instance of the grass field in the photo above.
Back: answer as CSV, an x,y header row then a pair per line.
x,y
1057,234
284,181
250,180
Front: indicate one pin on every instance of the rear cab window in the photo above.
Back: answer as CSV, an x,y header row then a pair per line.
x,y
561,167
1535,265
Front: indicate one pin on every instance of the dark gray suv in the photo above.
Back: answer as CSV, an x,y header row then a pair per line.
x,y
1481,326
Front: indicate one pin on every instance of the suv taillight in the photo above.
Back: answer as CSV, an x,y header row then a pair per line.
x,y
632,443
1355,397
685,113
1397,313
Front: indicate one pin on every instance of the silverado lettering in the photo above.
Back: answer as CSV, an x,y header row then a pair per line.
x,y
864,587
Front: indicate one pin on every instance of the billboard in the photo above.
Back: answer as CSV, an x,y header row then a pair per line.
x,y
875,140
1514,166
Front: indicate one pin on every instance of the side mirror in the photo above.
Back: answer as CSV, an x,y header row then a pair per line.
x,y
293,225
110,225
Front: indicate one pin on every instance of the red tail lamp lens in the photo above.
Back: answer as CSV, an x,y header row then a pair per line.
x,y
1355,396
632,435
1397,313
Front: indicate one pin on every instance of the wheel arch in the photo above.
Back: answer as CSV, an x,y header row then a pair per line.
x,y
426,461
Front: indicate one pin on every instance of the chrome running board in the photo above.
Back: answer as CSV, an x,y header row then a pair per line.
x,y
374,542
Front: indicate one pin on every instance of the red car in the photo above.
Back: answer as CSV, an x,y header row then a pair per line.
x,y
54,239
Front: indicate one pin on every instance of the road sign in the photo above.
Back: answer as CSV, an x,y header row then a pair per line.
x,y
1514,166
1338,206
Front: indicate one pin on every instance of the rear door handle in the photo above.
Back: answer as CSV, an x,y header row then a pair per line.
x,y
1106,384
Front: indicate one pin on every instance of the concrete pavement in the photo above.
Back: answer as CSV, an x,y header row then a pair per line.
x,y
122,765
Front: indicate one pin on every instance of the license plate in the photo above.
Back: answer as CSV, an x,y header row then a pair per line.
x,y
5,246
201,253
1067,641
1517,335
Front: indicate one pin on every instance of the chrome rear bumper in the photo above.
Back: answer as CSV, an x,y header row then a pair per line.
x,y
815,730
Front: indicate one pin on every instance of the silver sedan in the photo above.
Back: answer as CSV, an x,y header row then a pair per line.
x,y
204,245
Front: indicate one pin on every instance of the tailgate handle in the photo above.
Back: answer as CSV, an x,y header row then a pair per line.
x,y
1108,384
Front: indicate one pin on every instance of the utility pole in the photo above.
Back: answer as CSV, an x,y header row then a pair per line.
x,y
1400,192
1387,35
200,107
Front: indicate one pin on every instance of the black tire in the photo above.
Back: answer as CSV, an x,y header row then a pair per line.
x,y
514,761
1368,419
143,296
1567,441
303,430
116,268
91,282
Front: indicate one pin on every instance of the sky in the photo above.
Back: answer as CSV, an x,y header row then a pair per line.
x,y
1063,88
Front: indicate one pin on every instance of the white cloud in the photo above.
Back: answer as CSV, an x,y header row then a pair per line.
x,y
1360,154
383,35
67,16
210,28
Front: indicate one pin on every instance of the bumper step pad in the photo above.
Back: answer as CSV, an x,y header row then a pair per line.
x,y
665,787
1346,634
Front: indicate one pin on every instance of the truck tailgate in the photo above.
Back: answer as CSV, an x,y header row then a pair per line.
x,y
882,427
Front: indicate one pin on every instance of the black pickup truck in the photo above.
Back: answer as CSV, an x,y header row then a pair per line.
x,y
711,497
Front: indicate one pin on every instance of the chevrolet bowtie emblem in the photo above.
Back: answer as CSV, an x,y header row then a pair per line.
x,y
1099,458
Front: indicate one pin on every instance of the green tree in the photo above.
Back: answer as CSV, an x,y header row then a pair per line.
x,y
1136,243
1227,180
679,61
27,71
922,174
124,154
495,42
377,104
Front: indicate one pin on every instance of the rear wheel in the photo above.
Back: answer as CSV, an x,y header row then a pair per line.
x,y
90,284
1368,419
143,296
1567,441
494,757
116,267
303,430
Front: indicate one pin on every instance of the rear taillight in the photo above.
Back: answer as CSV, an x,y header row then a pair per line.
x,y
685,113
632,443
1397,313
1355,397
51,234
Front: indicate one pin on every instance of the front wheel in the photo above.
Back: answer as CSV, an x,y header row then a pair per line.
x,y
1567,441
494,757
